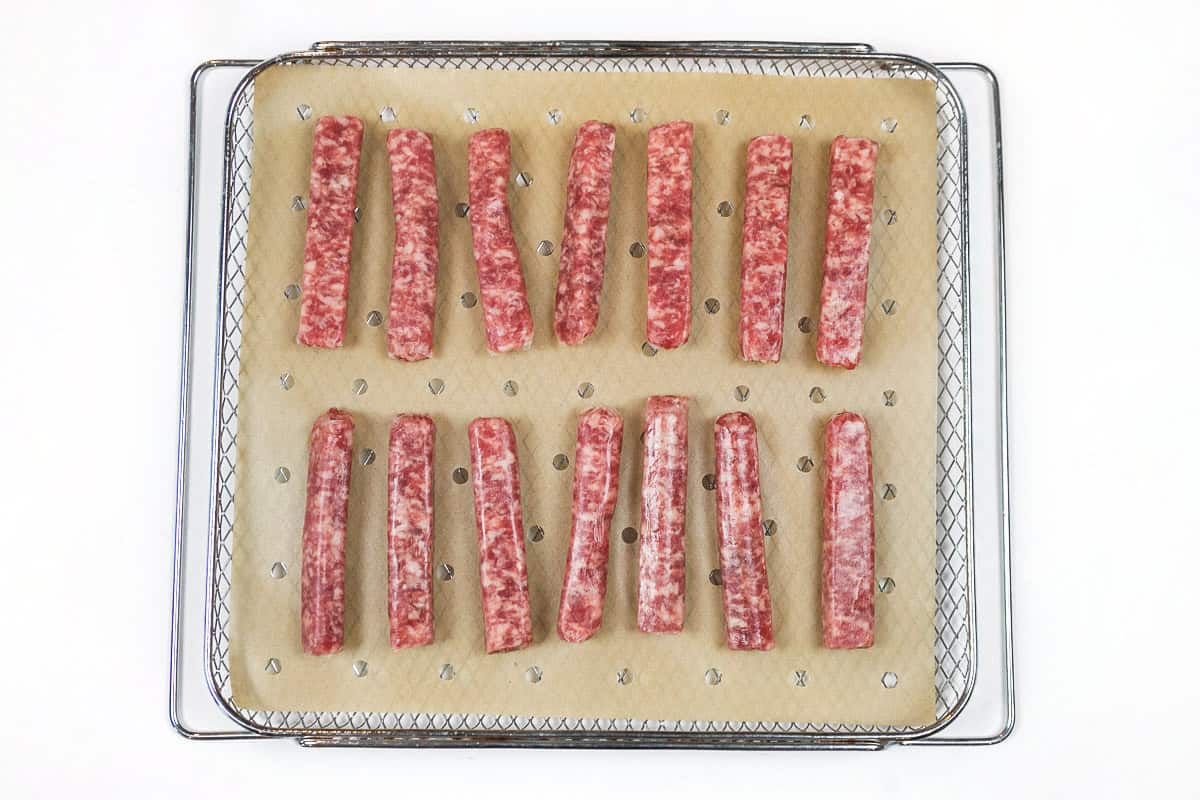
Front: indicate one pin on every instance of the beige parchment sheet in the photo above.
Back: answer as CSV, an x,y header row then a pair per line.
x,y
580,680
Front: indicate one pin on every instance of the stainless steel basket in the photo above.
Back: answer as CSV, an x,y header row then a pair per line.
x,y
203,555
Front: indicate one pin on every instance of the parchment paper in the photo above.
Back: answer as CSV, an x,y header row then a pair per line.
x,y
668,673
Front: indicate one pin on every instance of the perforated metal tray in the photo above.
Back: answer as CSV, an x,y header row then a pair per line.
x,y
956,616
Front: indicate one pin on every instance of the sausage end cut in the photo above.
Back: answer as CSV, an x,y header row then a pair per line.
x,y
585,224
669,234
323,561
661,576
504,582
333,182
415,253
594,499
765,247
410,530
745,593
507,320
847,251
848,543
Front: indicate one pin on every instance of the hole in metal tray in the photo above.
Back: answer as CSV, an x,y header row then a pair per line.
x,y
471,115
460,475
536,533
554,116
713,676
366,457
629,535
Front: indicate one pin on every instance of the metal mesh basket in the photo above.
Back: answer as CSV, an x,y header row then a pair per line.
x,y
955,646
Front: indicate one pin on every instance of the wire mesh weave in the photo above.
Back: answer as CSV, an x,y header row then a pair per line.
x,y
953,645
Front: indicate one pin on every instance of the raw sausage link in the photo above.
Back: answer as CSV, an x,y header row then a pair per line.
x,y
323,573
661,579
415,258
669,234
410,530
506,316
848,546
581,268
747,597
847,251
337,143
597,465
496,480
765,247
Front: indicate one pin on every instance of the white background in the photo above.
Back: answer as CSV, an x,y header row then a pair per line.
x,y
1102,126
